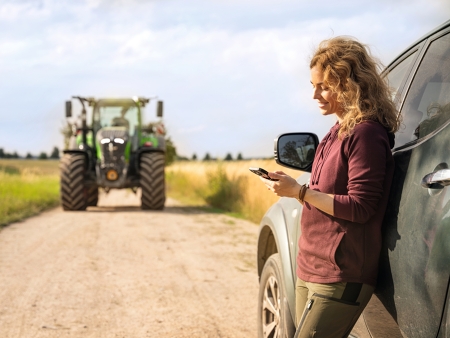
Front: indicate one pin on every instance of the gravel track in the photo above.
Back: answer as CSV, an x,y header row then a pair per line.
x,y
118,271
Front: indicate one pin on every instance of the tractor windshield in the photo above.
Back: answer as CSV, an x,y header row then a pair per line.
x,y
116,116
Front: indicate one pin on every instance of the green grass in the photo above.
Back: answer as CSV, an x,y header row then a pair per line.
x,y
27,187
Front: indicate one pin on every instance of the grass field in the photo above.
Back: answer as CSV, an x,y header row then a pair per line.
x,y
229,186
26,188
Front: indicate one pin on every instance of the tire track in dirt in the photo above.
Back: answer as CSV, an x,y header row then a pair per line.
x,y
118,271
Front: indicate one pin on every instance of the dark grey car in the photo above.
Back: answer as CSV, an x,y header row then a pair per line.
x,y
412,295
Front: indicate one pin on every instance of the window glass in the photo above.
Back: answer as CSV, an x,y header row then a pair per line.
x,y
427,105
397,75
116,116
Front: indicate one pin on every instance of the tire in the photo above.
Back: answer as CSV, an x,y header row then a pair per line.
x,y
92,196
152,181
72,189
272,303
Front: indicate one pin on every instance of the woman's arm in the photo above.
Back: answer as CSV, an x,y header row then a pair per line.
x,y
368,161
286,186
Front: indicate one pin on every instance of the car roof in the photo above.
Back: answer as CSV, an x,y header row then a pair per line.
x,y
426,36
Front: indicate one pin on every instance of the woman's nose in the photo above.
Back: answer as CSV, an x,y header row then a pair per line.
x,y
316,93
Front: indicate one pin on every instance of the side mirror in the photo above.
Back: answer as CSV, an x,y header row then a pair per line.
x,y
159,111
296,150
68,108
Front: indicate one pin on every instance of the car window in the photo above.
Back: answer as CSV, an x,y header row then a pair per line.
x,y
397,75
427,104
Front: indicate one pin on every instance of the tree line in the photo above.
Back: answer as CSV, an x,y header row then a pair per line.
x,y
208,157
54,155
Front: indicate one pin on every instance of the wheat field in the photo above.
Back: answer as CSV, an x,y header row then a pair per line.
x,y
191,182
28,187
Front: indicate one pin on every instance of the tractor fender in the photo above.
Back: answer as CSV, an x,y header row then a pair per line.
x,y
144,150
79,151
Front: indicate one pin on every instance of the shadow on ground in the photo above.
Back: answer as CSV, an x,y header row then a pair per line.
x,y
185,209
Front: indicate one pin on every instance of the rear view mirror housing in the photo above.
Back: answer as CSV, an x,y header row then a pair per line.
x,y
296,150
68,108
159,111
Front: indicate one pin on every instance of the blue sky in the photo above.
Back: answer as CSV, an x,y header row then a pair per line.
x,y
233,74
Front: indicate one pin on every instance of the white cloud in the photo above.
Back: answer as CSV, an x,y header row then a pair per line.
x,y
222,67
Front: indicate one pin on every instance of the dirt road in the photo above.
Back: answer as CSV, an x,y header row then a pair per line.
x,y
117,271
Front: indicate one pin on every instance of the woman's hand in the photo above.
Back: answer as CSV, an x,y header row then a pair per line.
x,y
286,186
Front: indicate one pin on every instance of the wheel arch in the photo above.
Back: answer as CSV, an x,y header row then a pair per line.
x,y
273,238
142,151
79,152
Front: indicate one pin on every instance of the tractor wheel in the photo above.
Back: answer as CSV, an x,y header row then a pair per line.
x,y
152,181
73,192
92,196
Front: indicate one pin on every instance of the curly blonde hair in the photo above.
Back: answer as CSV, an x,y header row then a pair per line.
x,y
353,74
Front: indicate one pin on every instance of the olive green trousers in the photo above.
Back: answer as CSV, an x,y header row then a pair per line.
x,y
329,310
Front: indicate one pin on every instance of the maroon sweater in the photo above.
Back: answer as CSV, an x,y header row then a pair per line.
x,y
358,170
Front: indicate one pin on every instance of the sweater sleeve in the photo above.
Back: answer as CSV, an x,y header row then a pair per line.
x,y
367,155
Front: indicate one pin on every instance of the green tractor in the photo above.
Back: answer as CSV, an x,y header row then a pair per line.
x,y
114,151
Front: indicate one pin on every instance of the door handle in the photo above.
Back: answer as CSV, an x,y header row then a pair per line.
x,y
437,179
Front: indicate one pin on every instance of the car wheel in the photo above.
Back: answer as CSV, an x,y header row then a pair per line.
x,y
272,303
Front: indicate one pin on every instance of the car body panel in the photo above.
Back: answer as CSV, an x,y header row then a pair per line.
x,y
415,264
282,223
273,231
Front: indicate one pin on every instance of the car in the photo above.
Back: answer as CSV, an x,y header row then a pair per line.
x,y
412,297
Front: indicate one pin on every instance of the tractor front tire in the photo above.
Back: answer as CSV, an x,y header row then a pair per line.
x,y
92,196
152,181
73,191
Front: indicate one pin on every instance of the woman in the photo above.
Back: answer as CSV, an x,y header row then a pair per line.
x,y
345,202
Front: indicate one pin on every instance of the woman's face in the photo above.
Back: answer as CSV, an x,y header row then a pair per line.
x,y
326,99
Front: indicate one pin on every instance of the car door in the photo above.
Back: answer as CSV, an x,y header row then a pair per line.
x,y
398,74
415,260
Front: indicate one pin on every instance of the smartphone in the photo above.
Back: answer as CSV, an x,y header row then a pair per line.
x,y
262,172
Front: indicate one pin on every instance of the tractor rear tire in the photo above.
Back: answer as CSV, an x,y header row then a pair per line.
x,y
73,191
92,197
152,181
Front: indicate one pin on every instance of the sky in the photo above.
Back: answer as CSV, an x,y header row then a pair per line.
x,y
233,74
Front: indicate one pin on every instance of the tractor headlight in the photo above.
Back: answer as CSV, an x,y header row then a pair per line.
x,y
105,141
119,140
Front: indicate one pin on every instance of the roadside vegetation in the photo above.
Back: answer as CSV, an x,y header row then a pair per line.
x,y
27,187
226,185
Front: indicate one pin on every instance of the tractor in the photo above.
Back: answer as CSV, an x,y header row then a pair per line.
x,y
114,150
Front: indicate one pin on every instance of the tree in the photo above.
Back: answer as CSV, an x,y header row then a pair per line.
x,y
29,156
43,156
15,155
194,157
228,157
207,157
239,157
2,153
171,151
55,153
